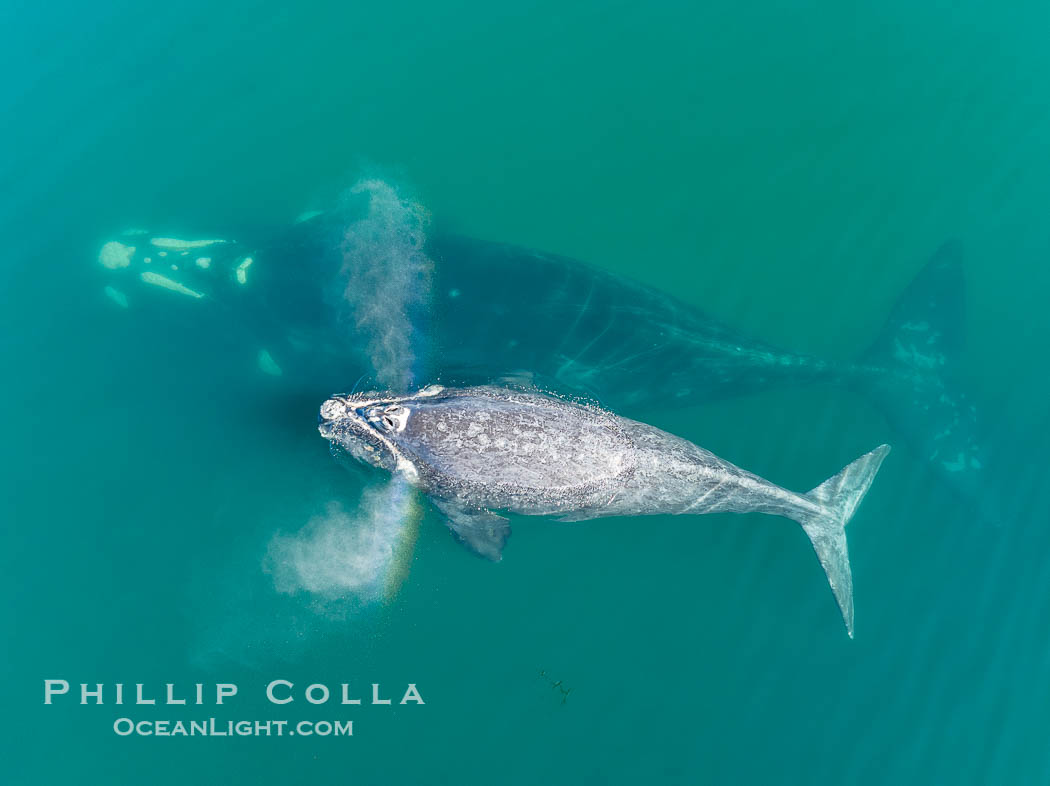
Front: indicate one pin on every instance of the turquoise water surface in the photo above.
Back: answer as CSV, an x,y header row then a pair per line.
x,y
786,168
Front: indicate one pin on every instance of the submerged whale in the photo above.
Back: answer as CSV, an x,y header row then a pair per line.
x,y
501,312
483,450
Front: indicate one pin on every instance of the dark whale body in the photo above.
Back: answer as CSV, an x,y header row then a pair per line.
x,y
501,312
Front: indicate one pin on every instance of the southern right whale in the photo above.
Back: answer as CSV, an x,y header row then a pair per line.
x,y
484,450
501,312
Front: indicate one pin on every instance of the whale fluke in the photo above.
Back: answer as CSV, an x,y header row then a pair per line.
x,y
925,328
915,377
838,498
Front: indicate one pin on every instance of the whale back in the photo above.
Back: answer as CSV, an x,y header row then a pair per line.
x,y
528,442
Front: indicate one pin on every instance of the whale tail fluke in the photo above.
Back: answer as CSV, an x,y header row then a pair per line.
x,y
838,498
912,372
925,328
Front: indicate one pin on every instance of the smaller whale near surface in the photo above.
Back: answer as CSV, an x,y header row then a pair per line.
x,y
481,451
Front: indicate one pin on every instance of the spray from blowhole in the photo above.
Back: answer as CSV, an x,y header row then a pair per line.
x,y
365,555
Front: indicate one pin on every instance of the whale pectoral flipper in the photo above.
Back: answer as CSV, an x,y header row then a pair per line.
x,y
481,531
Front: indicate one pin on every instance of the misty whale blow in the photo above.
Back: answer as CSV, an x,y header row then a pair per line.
x,y
478,450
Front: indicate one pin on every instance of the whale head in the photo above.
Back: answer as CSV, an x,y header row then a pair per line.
x,y
366,426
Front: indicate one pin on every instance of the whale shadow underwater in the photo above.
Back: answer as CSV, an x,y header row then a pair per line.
x,y
499,312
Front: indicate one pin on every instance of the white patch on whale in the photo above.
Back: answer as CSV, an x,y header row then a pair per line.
x,y
178,244
267,364
242,270
157,280
115,255
116,296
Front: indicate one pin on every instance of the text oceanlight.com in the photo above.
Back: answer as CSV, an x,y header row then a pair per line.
x,y
244,728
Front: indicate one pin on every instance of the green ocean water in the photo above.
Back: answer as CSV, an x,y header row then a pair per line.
x,y
786,168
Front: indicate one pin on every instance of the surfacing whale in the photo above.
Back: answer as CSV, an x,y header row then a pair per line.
x,y
481,451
